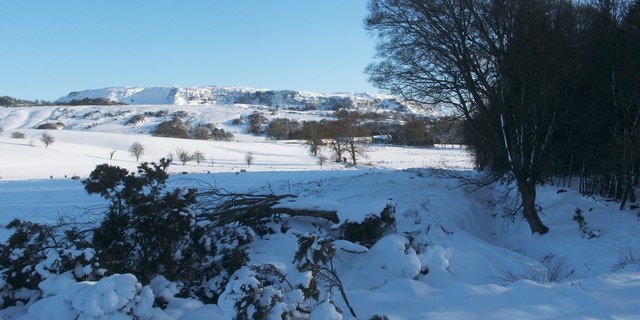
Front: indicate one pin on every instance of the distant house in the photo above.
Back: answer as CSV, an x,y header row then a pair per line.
x,y
381,138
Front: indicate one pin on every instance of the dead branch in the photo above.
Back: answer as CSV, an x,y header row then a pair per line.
x,y
223,208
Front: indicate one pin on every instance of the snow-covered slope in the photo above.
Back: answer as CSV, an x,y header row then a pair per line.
x,y
240,95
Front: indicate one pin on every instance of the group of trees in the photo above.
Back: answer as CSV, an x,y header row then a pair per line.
x,y
176,128
547,88
7,101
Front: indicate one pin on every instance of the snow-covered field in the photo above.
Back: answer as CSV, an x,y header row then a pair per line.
x,y
452,255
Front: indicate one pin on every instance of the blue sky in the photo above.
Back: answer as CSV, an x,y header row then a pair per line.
x,y
50,48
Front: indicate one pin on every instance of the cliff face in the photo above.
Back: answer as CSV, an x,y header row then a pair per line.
x,y
289,99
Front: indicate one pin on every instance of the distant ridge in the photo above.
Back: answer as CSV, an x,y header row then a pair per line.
x,y
240,95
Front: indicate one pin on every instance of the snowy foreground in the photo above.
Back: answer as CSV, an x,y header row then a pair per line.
x,y
452,255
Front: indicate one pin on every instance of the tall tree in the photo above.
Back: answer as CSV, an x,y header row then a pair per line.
x,y
499,63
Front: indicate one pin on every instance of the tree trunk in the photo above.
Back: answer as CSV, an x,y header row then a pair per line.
x,y
528,193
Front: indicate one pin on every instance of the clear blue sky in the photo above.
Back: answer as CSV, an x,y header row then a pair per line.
x,y
49,48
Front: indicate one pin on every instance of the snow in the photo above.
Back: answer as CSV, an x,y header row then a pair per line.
x,y
451,255
118,296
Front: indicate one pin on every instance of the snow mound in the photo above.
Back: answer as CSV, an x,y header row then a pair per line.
x,y
119,296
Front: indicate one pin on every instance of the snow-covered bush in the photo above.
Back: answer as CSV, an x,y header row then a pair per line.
x,y
259,292
146,231
371,229
316,254
213,256
38,257
144,226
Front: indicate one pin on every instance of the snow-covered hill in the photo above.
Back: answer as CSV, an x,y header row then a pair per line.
x,y
239,95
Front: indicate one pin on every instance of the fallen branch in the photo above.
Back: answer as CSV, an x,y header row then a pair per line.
x,y
224,208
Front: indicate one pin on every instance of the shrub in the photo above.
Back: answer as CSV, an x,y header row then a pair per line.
x,y
159,220
210,132
368,232
157,114
586,231
174,128
553,269
256,120
258,292
180,114
17,135
35,252
315,254
627,258
135,119
94,102
50,126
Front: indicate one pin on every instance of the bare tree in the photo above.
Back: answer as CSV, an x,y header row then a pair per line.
x,y
338,146
356,147
198,156
499,63
136,149
248,158
311,132
347,137
47,139
184,156
321,160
